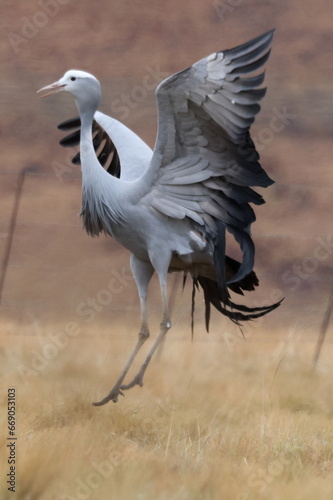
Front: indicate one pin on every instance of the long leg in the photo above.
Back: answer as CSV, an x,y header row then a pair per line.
x,y
142,272
164,327
172,298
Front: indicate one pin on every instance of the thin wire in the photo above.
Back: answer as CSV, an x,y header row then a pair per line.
x,y
323,329
11,229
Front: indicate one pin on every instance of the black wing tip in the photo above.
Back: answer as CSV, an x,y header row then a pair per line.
x,y
70,140
99,135
70,124
265,38
264,41
76,160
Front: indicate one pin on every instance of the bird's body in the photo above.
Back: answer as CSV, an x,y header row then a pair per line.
x,y
171,208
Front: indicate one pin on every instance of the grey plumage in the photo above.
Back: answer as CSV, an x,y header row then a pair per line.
x,y
172,207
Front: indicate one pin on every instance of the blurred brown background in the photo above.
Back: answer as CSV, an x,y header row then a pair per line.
x,y
53,271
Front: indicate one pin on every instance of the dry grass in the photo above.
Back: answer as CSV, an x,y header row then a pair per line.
x,y
254,423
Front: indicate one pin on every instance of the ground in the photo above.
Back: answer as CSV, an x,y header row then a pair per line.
x,y
217,418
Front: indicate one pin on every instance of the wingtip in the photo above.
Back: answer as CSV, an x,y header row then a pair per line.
x,y
264,38
70,124
260,44
268,35
270,32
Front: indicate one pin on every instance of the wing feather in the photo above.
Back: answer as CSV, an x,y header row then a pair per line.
x,y
114,154
205,163
242,84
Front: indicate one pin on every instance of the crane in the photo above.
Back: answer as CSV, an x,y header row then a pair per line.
x,y
171,208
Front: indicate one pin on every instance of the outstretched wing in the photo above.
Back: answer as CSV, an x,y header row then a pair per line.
x,y
105,149
205,161
125,156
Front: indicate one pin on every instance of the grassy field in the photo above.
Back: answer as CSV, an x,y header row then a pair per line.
x,y
219,418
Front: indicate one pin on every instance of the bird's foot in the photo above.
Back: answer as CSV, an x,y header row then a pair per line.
x,y
112,396
138,380
118,390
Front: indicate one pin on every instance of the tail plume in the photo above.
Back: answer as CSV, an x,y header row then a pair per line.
x,y
238,313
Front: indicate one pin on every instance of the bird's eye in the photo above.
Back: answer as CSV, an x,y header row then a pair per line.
x,y
73,78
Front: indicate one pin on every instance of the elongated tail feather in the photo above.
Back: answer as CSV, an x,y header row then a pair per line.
x,y
238,313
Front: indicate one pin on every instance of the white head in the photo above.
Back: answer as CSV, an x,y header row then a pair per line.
x,y
83,86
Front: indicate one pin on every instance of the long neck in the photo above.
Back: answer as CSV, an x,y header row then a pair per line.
x,y
88,156
100,197
91,168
